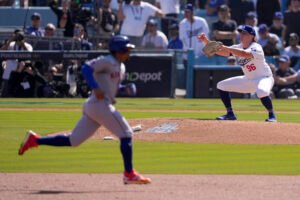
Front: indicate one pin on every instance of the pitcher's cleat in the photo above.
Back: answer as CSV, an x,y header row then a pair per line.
x,y
228,116
135,178
272,118
29,142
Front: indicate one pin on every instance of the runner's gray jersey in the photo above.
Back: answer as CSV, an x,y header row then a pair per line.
x,y
108,73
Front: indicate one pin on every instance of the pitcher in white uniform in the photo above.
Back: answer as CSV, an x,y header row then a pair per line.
x,y
257,76
103,75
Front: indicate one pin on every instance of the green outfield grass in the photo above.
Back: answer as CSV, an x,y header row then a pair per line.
x,y
168,158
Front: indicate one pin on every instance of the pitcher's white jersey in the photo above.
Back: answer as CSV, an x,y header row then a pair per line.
x,y
108,73
255,67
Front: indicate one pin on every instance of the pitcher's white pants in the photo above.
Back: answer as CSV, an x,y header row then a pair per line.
x,y
240,84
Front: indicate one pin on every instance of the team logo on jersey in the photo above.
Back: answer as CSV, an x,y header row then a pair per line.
x,y
243,61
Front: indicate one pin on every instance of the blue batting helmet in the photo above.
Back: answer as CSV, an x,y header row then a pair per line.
x,y
120,43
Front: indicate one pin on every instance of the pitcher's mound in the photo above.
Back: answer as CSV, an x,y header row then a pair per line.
x,y
213,132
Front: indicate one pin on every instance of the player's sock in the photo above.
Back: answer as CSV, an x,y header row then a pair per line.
x,y
126,150
225,96
267,102
58,140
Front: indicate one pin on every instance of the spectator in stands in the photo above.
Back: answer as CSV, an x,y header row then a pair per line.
x,y
154,39
270,42
239,9
170,10
284,70
174,42
135,16
35,28
292,19
278,27
292,79
18,44
50,30
64,17
231,60
212,6
265,10
23,80
225,29
190,28
7,42
57,86
4,46
80,14
80,38
293,50
106,21
251,20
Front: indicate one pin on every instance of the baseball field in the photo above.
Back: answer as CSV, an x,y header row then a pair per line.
x,y
200,158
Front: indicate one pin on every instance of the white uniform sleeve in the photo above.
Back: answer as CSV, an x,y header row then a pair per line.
x,y
99,65
257,52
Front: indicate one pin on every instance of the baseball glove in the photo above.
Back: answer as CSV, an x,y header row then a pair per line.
x,y
212,47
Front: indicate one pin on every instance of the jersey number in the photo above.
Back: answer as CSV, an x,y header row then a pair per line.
x,y
251,67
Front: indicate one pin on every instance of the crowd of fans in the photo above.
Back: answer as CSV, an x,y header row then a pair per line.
x,y
156,24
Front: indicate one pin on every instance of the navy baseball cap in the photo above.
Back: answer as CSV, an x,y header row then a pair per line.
x,y
251,15
189,7
263,28
248,29
120,43
284,58
278,15
35,16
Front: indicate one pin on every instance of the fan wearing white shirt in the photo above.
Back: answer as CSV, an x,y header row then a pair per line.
x,y
18,44
190,28
154,39
135,16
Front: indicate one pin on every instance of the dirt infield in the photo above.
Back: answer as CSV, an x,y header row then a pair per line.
x,y
164,187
